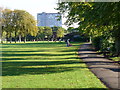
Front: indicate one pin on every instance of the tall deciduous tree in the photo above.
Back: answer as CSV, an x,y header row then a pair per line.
x,y
70,29
99,19
1,24
7,23
40,34
48,32
60,32
28,24
20,22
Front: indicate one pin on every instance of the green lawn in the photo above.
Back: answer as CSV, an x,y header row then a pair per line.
x,y
45,65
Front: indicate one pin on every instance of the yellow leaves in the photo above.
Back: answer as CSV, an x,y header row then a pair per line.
x,y
87,4
82,19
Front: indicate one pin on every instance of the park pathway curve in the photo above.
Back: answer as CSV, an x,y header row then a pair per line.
x,y
106,70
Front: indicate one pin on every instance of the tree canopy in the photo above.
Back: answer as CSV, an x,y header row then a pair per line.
x,y
100,19
19,22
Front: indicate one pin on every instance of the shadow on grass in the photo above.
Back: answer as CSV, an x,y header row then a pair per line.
x,y
34,43
20,68
4,59
39,58
25,51
42,54
15,67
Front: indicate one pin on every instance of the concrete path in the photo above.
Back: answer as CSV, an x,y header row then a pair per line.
x,y
106,70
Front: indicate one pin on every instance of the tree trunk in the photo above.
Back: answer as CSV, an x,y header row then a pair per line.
x,y
43,39
1,36
25,39
117,46
40,39
1,40
90,40
19,38
10,38
7,37
15,36
52,39
55,39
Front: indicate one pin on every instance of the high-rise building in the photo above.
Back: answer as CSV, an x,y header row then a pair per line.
x,y
48,19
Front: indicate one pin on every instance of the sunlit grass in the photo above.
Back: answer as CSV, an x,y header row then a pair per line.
x,y
45,65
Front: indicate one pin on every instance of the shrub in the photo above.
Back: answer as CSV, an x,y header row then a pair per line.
x,y
96,41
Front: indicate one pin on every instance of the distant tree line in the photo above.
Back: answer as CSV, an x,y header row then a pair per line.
x,y
50,33
19,25
99,21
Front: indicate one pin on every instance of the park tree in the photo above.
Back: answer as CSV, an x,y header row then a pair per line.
x,y
31,27
19,22
60,32
1,24
70,29
7,23
48,32
28,24
40,34
95,19
54,30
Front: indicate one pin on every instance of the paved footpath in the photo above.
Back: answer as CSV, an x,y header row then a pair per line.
x,y
106,70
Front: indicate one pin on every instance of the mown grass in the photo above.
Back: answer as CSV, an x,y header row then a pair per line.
x,y
45,65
